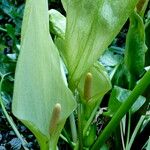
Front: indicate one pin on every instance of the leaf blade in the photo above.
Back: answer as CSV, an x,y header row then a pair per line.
x,y
38,81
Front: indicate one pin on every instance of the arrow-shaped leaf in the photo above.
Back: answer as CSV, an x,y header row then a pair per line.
x,y
38,81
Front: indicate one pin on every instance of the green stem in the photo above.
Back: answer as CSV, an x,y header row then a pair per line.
x,y
67,138
124,108
10,120
88,123
117,138
129,126
122,136
72,118
80,131
72,145
73,128
128,147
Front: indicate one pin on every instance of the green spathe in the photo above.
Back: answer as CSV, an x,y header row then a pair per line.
x,y
101,82
38,80
91,27
135,45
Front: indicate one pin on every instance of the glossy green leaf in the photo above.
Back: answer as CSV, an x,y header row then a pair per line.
x,y
118,96
147,33
91,27
135,45
110,59
147,36
39,83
